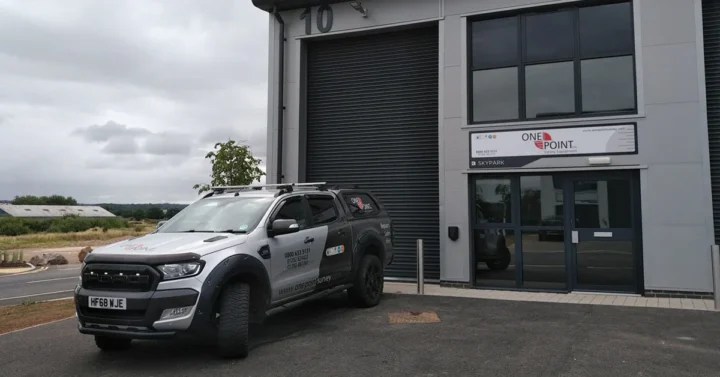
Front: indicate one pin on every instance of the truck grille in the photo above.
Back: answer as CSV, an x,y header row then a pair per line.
x,y
119,277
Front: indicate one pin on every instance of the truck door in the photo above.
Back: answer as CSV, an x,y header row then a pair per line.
x,y
295,257
336,258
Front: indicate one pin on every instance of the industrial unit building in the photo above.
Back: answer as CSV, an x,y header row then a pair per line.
x,y
539,145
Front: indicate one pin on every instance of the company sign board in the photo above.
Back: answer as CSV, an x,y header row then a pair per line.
x,y
517,148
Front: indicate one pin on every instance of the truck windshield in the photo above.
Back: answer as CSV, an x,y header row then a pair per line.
x,y
232,215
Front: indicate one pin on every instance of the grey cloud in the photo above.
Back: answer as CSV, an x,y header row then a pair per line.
x,y
116,109
108,131
168,144
121,146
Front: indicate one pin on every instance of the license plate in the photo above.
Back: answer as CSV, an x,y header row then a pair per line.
x,y
114,303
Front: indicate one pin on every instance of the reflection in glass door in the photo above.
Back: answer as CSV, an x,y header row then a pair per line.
x,y
603,236
542,225
561,231
493,236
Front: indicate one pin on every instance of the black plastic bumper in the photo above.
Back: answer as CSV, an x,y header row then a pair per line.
x,y
143,309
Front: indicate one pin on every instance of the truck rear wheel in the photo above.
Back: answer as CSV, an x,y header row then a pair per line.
x,y
368,285
108,343
232,336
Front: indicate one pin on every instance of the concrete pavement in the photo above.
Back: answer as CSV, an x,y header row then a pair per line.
x,y
55,282
474,337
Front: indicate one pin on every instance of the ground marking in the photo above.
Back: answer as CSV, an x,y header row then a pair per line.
x,y
35,295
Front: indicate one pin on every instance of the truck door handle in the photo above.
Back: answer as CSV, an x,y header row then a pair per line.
x,y
341,232
309,240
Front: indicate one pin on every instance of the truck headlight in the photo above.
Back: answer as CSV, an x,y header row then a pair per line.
x,y
179,270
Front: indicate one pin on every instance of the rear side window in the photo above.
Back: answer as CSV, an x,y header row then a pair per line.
x,y
360,204
323,209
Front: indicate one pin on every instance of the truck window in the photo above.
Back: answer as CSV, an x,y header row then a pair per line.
x,y
323,209
360,204
292,209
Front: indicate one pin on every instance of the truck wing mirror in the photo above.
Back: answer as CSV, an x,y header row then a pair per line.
x,y
283,226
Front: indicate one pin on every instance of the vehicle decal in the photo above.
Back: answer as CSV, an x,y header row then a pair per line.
x,y
335,250
297,258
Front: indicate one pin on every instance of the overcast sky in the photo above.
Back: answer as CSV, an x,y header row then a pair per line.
x,y
119,101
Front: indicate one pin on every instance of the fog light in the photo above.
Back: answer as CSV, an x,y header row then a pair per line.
x,y
175,312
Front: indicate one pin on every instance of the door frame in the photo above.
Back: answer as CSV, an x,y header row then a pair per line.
x,y
567,178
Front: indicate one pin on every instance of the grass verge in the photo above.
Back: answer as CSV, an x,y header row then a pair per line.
x,y
28,314
91,237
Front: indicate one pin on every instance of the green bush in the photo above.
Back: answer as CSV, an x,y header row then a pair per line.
x,y
13,226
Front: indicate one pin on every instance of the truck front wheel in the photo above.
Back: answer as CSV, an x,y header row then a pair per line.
x,y
368,285
232,336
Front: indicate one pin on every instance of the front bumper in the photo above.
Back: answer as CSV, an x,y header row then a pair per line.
x,y
141,319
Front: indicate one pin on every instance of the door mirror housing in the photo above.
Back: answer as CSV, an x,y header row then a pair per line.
x,y
160,223
283,226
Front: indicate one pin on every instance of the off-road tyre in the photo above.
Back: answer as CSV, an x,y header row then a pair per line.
x,y
233,323
369,283
501,263
109,344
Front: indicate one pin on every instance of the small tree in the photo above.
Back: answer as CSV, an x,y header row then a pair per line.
x,y
155,213
232,165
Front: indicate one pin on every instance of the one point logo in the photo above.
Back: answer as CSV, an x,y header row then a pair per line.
x,y
545,137
543,141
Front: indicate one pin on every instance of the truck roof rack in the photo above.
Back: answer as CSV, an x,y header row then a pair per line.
x,y
282,187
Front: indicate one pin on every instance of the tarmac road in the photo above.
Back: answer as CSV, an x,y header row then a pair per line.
x,y
55,282
475,337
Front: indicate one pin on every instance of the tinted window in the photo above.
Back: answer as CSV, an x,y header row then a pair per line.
x,y
562,48
608,84
360,204
550,89
541,201
549,36
495,43
606,30
292,209
495,94
492,201
322,209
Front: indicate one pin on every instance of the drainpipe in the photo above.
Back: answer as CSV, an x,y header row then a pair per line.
x,y
281,95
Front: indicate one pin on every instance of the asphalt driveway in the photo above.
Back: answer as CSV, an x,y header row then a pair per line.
x,y
474,338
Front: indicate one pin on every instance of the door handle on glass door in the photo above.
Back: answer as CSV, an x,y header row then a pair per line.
x,y
309,240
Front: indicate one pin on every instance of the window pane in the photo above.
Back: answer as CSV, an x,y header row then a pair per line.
x,y
603,204
549,36
541,201
360,204
549,90
323,210
495,43
608,263
543,255
608,84
492,201
292,210
494,257
495,94
606,30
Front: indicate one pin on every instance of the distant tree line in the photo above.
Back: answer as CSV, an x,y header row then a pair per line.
x,y
142,211
52,200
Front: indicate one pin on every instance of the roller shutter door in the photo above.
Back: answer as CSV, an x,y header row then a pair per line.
x,y
372,120
711,26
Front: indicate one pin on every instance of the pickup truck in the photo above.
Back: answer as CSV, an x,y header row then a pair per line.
x,y
234,256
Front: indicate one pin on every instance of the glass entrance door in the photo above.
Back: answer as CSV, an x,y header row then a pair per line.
x,y
557,231
603,238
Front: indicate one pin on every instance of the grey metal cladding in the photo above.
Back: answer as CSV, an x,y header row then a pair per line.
x,y
372,120
711,35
